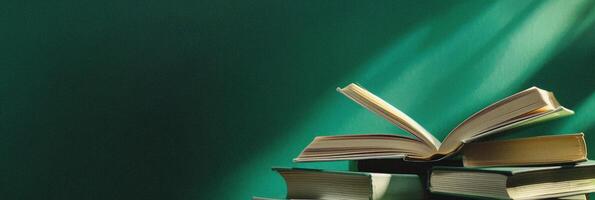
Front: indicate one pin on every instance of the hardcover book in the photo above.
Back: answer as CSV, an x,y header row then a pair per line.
x,y
540,150
515,182
326,184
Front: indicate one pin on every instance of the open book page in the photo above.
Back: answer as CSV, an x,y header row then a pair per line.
x,y
536,118
366,146
389,112
528,106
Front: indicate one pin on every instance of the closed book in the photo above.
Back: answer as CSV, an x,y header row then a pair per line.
x,y
514,182
540,150
325,184
436,197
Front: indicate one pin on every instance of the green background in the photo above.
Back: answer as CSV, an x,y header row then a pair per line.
x,y
197,99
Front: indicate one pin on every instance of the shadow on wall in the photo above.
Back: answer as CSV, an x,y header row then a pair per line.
x,y
568,73
197,100
463,68
160,100
326,113
452,68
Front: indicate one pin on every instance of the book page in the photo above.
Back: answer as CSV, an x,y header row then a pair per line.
x,y
489,116
389,112
528,106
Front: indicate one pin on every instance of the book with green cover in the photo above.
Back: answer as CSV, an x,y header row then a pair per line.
x,y
327,184
514,182
574,197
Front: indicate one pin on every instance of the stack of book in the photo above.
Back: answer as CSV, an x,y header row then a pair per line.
x,y
466,164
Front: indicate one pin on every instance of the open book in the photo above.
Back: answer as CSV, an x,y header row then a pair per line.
x,y
525,107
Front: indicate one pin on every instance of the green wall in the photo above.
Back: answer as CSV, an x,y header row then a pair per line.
x,y
197,100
